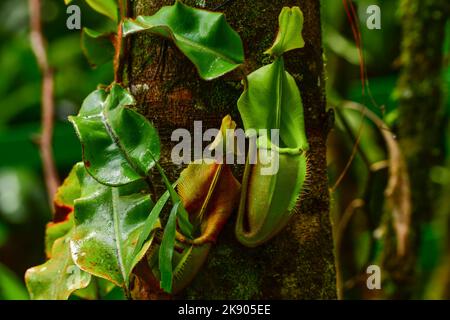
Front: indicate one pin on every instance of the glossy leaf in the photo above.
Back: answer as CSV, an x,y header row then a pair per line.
x,y
119,145
58,277
203,36
272,101
166,250
108,224
108,8
97,47
289,35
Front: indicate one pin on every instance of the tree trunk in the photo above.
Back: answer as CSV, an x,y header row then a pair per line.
x,y
299,263
422,122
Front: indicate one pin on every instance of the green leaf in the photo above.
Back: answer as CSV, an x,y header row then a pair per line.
x,y
183,216
203,36
166,250
97,47
108,222
272,101
67,1
57,230
187,261
58,277
289,35
151,222
69,190
11,288
108,8
119,145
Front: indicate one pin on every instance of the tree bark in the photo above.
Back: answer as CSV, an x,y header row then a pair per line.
x,y
422,123
299,263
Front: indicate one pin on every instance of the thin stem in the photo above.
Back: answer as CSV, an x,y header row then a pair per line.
x,y
354,139
352,156
244,77
118,61
118,43
47,108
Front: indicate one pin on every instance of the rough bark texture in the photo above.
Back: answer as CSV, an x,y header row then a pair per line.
x,y
299,263
422,121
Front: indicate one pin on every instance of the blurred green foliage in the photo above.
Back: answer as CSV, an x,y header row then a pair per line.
x,y
362,244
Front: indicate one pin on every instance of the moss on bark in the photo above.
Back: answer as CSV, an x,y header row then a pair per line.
x,y
299,263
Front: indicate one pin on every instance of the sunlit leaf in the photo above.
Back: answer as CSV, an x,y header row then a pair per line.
x,y
203,36
108,223
290,32
119,145
97,47
58,277
272,101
